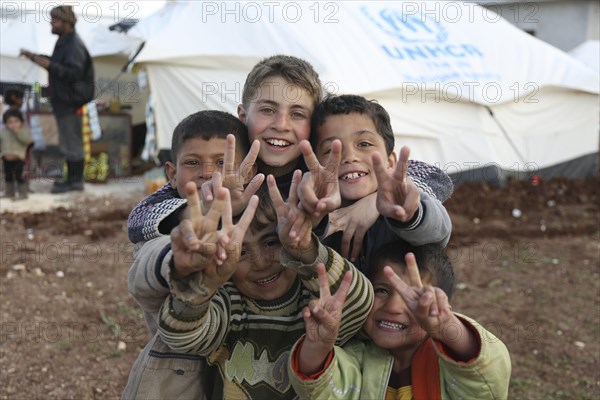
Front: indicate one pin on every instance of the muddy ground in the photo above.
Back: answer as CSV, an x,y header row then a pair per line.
x,y
69,329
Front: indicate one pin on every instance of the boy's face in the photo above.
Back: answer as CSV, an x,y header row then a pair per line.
x,y
390,324
196,161
360,140
279,117
14,124
259,274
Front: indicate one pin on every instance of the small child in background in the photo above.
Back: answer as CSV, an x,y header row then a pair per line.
x,y
15,137
13,99
418,348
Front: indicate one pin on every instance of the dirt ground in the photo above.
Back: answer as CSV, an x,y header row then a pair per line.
x,y
69,329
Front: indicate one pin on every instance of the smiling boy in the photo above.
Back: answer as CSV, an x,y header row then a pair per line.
x,y
370,171
417,348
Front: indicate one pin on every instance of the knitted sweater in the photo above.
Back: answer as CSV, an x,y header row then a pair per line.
x,y
247,342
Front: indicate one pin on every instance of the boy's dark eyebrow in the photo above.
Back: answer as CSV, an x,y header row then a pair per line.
x,y
358,133
217,154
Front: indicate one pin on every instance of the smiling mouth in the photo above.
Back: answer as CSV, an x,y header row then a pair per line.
x,y
352,176
280,143
268,280
391,325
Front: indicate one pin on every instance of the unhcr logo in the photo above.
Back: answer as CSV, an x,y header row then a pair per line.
x,y
422,36
407,28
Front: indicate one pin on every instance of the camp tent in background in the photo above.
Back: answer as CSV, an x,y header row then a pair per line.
x,y
466,90
588,53
110,52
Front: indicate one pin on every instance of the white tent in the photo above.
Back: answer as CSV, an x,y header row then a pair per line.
x,y
465,89
588,53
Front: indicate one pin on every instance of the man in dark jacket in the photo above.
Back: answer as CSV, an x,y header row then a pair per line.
x,y
71,85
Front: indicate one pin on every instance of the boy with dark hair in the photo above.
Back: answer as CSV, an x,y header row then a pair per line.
x,y
202,143
417,348
369,175
13,97
14,140
198,149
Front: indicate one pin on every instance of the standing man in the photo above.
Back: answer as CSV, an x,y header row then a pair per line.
x,y
71,85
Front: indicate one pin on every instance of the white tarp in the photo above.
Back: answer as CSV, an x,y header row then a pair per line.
x,y
435,66
588,53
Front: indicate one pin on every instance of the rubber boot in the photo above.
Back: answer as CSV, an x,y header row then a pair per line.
x,y
23,191
76,175
9,192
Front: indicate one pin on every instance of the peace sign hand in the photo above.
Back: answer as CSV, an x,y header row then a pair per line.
x,y
322,318
235,179
428,304
397,195
319,191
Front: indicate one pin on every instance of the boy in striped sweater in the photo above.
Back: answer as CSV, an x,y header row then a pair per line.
x,y
241,306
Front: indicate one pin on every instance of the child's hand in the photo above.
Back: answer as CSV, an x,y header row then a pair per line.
x,y
354,221
322,318
229,246
235,179
397,195
293,224
198,245
319,191
194,240
428,304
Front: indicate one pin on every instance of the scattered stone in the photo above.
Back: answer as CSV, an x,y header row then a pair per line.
x,y
89,284
495,282
551,203
121,346
476,221
535,352
516,213
555,261
579,344
38,272
461,286
88,232
559,332
60,274
10,275
19,267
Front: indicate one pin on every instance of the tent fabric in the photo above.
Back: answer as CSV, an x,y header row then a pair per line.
x,y
462,91
588,53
